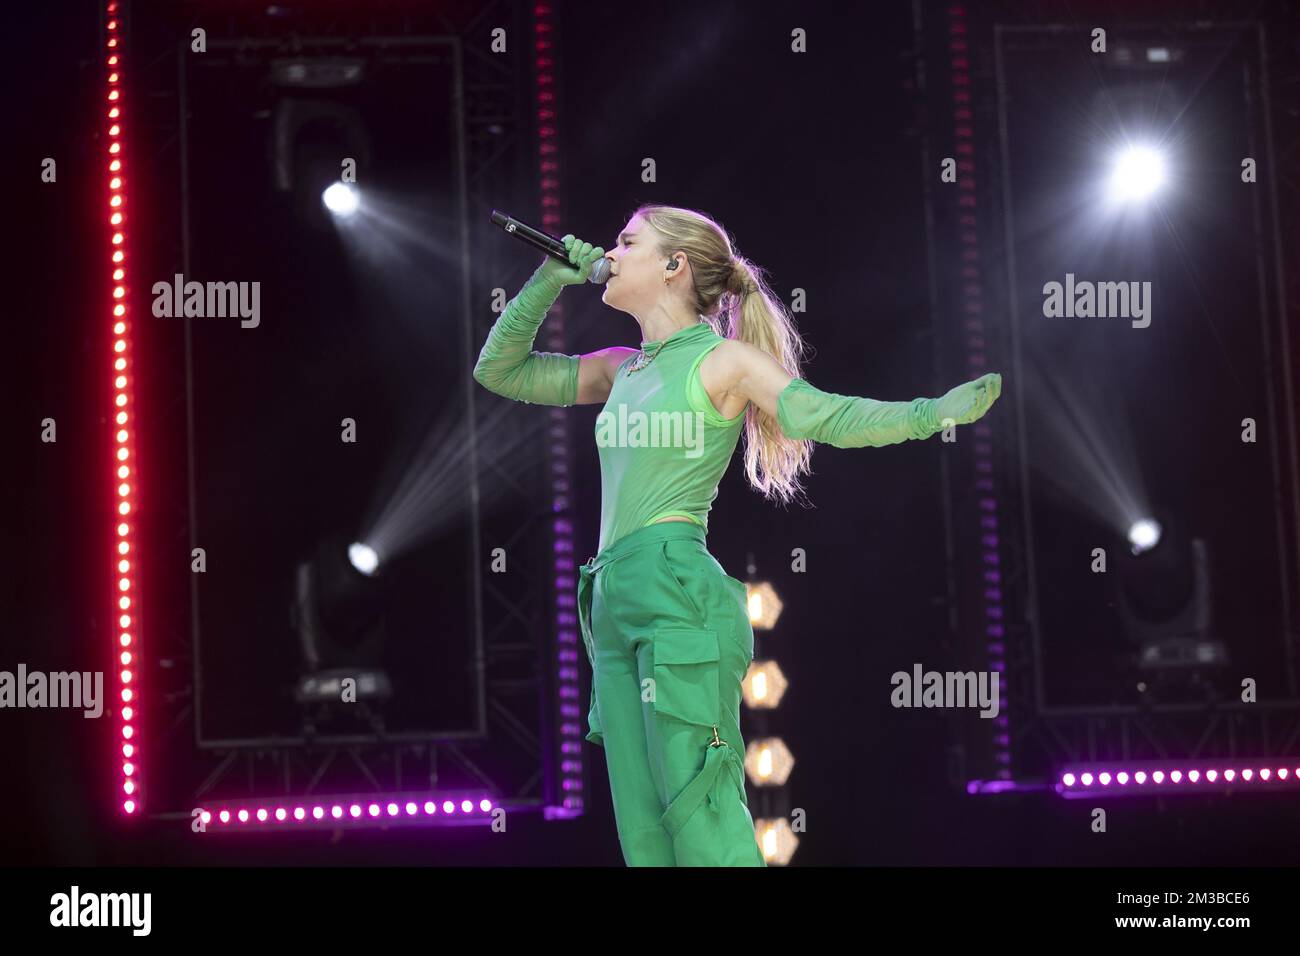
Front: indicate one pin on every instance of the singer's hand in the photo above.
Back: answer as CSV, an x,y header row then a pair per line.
x,y
582,255
969,401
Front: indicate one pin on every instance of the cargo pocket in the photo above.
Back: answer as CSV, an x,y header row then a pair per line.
x,y
595,732
688,603
744,629
686,675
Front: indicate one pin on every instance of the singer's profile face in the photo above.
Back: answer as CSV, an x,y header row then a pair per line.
x,y
635,269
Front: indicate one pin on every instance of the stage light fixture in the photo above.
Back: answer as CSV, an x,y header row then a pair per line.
x,y
764,685
342,199
763,605
318,72
776,839
1143,535
1165,605
363,558
338,611
1139,171
768,762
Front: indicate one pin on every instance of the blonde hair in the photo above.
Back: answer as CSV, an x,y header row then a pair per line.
x,y
733,296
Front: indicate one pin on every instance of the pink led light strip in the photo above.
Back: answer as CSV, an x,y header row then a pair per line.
x,y
1166,778
124,463
306,813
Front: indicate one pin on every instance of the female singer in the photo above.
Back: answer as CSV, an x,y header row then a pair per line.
x,y
666,629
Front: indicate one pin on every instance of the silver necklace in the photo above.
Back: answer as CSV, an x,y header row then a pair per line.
x,y
641,361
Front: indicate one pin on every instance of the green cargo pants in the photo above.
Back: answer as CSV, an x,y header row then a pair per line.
x,y
668,636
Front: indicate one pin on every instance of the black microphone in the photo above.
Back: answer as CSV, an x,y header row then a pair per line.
x,y
548,244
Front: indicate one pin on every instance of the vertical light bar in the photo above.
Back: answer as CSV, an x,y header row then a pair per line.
x,y
972,304
572,708
126,597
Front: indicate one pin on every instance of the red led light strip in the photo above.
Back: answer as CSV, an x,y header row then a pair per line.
x,y
127,606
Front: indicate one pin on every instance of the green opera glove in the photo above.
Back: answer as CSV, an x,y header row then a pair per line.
x,y
846,421
969,401
508,365
582,255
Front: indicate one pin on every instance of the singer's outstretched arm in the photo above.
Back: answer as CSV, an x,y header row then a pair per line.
x,y
509,366
804,411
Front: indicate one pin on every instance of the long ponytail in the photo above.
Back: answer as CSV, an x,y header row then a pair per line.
x,y
733,295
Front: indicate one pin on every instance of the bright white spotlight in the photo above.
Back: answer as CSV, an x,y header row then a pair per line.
x,y
1139,172
363,558
1144,535
341,199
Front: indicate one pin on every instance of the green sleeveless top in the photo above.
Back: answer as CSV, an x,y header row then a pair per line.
x,y
663,446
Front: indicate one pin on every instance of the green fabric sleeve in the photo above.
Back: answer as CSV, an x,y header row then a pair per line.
x,y
845,421
508,366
